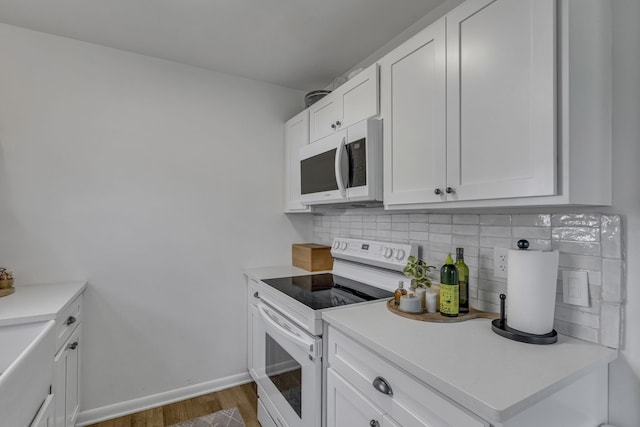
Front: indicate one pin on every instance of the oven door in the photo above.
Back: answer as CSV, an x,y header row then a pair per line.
x,y
289,369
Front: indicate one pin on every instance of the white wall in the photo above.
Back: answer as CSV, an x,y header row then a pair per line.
x,y
155,181
624,399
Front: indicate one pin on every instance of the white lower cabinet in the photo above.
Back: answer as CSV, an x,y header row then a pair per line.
x,y
347,407
66,379
46,415
363,388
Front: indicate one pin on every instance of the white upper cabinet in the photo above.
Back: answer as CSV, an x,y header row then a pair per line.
x,y
296,135
500,103
355,100
501,134
412,81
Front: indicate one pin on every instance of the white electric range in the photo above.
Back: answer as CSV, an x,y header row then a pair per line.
x,y
285,323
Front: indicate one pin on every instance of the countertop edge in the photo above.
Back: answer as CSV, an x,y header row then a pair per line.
x,y
80,287
272,272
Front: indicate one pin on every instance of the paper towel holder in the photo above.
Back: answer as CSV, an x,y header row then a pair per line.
x,y
499,326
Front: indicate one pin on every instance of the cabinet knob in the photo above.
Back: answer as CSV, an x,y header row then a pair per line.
x,y
438,191
450,190
73,345
382,386
338,123
333,125
256,294
374,423
71,320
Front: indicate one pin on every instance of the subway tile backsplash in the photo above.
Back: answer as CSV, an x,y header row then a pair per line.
x,y
586,242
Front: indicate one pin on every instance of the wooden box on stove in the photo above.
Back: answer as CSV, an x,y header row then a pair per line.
x,y
311,256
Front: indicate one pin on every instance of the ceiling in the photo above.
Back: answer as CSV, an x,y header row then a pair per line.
x,y
301,44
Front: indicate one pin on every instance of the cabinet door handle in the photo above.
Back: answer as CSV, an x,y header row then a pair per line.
x,y
437,191
382,386
73,345
71,320
374,423
450,190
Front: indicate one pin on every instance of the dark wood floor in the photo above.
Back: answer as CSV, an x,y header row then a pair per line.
x,y
243,396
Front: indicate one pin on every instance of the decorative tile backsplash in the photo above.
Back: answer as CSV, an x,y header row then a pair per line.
x,y
586,242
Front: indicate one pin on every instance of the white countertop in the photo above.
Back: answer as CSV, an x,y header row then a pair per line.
x,y
260,273
466,361
35,303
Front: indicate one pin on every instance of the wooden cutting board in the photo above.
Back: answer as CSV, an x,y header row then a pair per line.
x,y
439,318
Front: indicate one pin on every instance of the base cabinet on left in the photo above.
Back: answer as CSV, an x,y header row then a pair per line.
x,y
66,366
46,415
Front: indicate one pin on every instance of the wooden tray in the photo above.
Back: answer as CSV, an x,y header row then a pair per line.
x,y
7,291
439,318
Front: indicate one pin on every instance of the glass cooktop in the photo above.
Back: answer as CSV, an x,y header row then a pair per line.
x,y
326,290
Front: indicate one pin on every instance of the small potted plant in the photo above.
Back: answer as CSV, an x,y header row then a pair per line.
x,y
418,271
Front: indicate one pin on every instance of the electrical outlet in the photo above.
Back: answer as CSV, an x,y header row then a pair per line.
x,y
500,262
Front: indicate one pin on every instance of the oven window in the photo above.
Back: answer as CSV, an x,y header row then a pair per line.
x,y
285,373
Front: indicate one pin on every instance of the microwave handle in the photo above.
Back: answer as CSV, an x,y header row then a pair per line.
x,y
338,167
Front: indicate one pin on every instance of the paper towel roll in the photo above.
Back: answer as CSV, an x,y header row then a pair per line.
x,y
531,290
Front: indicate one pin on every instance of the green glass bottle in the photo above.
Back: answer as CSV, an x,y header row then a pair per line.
x,y
449,289
463,280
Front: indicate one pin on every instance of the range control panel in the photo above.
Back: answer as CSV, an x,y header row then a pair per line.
x,y
382,254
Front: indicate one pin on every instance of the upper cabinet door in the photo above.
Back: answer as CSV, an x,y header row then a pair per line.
x,y
413,98
324,116
360,97
501,104
355,100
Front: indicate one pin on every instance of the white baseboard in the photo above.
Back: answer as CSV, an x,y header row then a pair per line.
x,y
116,410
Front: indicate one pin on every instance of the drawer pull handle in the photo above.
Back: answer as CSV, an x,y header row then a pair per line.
x,y
382,386
73,345
71,320
374,423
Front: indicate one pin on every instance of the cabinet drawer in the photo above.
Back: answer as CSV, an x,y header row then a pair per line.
x,y
67,321
410,402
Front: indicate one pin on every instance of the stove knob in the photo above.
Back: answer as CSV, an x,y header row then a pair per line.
x,y
388,252
400,254
336,244
343,246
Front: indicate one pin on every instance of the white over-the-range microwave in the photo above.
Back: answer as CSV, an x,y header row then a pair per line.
x,y
343,167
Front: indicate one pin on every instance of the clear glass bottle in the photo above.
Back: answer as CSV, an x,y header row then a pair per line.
x,y
463,280
399,292
449,289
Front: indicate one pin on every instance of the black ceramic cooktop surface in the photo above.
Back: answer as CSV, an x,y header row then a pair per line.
x,y
326,290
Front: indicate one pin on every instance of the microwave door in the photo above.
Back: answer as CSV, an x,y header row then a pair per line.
x,y
322,179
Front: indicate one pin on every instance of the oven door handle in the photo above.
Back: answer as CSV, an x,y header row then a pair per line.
x,y
302,341
338,166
